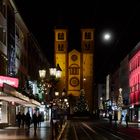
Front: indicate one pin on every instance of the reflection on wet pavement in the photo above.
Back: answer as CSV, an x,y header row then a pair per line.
x,y
15,133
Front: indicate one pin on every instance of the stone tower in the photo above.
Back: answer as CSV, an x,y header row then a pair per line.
x,y
87,69
60,54
77,67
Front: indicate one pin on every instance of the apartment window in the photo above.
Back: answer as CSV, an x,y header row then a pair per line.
x,y
60,47
87,35
60,36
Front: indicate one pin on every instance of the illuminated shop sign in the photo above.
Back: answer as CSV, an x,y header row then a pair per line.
x,y
9,80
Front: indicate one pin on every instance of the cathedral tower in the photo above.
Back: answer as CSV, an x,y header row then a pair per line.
x,y
87,70
61,46
77,67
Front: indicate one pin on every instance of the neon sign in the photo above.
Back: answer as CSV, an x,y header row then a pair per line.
x,y
9,80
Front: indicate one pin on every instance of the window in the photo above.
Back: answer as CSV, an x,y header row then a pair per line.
x,y
60,47
138,61
60,36
2,8
2,35
74,71
87,46
87,35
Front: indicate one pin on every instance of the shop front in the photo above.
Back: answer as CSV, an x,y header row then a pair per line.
x,y
12,102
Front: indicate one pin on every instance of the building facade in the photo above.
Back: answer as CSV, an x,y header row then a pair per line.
x,y
134,83
77,67
18,71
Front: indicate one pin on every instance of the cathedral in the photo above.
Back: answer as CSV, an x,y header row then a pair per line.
x,y
77,67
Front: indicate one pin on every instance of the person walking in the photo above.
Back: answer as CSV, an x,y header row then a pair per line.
x,y
39,118
115,118
110,118
35,121
121,119
127,119
28,120
18,118
23,117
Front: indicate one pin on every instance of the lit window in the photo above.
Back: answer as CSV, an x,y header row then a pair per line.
x,y
60,36
74,71
60,47
87,35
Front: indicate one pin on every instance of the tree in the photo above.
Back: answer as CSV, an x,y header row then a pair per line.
x,y
120,100
81,105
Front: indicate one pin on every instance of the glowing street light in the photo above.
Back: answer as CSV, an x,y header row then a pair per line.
x,y
42,73
56,71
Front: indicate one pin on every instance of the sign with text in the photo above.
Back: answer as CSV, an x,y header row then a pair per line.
x,y
9,80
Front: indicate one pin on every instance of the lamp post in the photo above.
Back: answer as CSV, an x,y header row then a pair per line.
x,y
55,74
42,75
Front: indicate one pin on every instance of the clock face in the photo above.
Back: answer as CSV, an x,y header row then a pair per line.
x,y
74,81
74,57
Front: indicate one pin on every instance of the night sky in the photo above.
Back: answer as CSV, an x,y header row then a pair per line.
x,y
121,18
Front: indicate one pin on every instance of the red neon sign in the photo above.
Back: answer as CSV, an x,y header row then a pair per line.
x,y
9,80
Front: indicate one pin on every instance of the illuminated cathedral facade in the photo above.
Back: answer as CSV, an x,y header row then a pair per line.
x,y
77,67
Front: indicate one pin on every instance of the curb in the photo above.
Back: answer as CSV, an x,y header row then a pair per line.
x,y
63,128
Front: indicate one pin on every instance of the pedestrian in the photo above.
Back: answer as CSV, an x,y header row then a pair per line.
x,y
121,119
39,117
115,118
23,117
28,120
127,119
110,118
35,121
18,118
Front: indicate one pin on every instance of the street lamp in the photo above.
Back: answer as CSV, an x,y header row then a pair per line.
x,y
55,74
56,71
56,93
42,73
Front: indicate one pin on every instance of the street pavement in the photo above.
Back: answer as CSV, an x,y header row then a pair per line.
x,y
135,125
44,132
132,132
15,133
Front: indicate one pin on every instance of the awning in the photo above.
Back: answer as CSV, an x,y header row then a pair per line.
x,y
17,100
11,95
